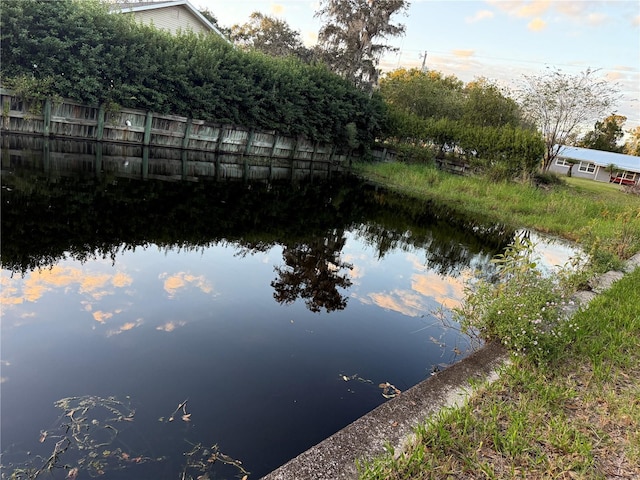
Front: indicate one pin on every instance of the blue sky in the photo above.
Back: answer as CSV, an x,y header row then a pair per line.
x,y
497,39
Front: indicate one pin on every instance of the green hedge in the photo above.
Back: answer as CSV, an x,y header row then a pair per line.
x,y
77,49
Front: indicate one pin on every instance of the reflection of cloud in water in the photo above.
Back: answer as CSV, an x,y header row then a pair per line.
x,y
356,272
552,253
427,287
126,327
9,292
37,283
171,326
173,283
121,280
447,291
401,301
101,317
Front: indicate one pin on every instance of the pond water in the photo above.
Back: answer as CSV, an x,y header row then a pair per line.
x,y
162,329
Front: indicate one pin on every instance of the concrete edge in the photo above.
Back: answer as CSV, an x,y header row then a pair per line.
x,y
393,422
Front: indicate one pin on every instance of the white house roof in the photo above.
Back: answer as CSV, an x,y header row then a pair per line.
x,y
630,163
140,6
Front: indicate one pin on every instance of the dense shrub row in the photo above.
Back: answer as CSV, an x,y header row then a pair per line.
x,y
501,152
78,50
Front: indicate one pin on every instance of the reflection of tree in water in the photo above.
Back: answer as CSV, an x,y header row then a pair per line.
x,y
312,271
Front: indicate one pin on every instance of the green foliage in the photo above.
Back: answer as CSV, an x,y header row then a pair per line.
x,y
406,152
424,94
558,103
501,152
605,135
34,91
546,179
350,40
269,35
478,122
95,57
522,309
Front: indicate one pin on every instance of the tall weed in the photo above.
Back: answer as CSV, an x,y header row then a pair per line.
x,y
520,307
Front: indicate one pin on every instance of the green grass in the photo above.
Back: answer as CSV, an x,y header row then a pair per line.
x,y
588,212
578,419
578,414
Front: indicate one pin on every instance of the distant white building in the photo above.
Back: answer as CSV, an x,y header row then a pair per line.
x,y
593,164
171,15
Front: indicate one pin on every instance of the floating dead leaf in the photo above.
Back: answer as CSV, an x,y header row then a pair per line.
x,y
186,417
389,391
43,435
73,473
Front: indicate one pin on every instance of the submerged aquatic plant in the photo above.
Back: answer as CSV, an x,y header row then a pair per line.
x,y
86,440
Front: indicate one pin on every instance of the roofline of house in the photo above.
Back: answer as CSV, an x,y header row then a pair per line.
x,y
612,157
175,3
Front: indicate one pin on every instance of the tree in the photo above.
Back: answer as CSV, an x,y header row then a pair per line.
x,y
632,145
605,135
486,105
349,40
558,103
269,35
206,13
425,94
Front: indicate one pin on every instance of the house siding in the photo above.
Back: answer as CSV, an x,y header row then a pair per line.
x,y
592,164
172,19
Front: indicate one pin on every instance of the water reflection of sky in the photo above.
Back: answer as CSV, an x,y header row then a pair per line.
x,y
158,325
266,381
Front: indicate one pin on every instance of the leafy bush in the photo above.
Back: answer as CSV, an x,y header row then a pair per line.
x,y
547,179
522,309
94,57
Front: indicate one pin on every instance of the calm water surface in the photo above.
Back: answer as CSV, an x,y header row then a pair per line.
x,y
183,322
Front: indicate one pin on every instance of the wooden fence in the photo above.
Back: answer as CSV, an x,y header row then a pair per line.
x,y
68,119
64,156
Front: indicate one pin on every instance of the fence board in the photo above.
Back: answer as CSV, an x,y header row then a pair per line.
x,y
68,119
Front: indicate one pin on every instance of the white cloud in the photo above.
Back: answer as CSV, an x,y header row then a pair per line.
x,y
479,16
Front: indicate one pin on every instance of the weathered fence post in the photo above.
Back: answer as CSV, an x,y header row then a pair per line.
x,y
147,129
184,157
245,159
46,155
6,118
220,137
46,116
101,116
145,162
293,157
98,171
187,133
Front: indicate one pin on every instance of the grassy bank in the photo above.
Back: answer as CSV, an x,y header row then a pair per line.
x,y
584,211
577,415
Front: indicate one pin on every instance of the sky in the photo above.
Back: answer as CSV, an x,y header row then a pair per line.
x,y
501,40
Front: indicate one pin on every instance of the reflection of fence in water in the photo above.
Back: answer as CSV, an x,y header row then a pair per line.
x,y
71,120
135,161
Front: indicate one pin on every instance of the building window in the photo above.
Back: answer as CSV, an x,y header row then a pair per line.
x,y
587,167
561,162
